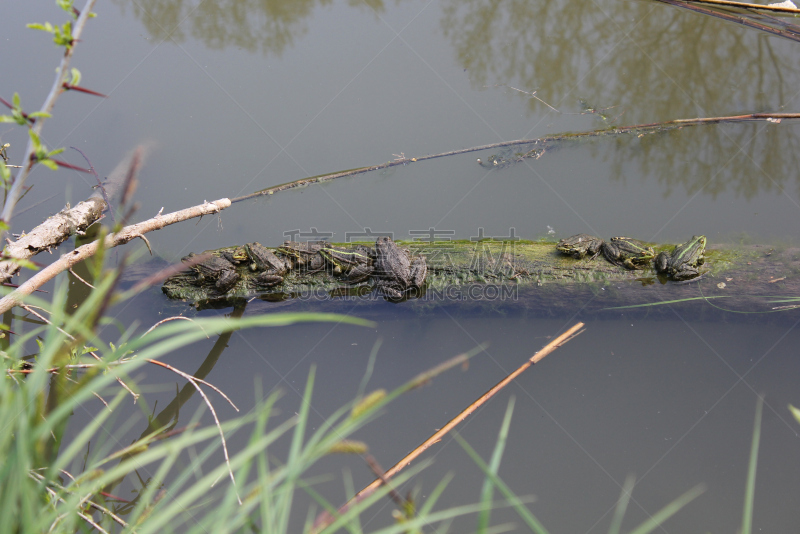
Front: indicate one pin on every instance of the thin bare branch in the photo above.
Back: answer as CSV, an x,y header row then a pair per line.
x,y
102,509
744,5
194,378
119,238
159,276
175,318
73,273
202,393
30,309
71,220
788,31
640,128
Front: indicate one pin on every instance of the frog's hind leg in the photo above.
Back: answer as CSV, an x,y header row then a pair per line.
x,y
419,270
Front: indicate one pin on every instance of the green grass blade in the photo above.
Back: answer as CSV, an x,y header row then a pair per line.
x,y
359,507
662,302
294,464
430,502
494,466
750,488
795,412
354,526
534,524
668,511
79,442
622,505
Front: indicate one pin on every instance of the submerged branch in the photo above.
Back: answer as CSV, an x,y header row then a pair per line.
x,y
539,145
744,5
745,18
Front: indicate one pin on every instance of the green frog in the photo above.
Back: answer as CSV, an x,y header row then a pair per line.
x,y
684,261
579,245
627,252
217,270
236,255
395,271
356,264
271,266
304,255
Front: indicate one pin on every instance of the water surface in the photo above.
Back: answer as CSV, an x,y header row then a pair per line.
x,y
239,99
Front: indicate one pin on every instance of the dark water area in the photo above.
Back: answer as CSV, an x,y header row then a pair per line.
x,y
234,101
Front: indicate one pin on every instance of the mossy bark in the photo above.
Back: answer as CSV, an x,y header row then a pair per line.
x,y
532,275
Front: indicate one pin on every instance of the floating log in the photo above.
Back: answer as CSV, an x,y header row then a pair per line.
x,y
533,276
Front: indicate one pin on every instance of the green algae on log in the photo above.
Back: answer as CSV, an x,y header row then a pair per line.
x,y
528,275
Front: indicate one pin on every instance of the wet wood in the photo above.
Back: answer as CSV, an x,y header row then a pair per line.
x,y
532,276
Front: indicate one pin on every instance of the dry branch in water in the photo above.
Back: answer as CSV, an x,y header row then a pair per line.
x,y
743,5
542,141
119,238
326,518
746,16
58,228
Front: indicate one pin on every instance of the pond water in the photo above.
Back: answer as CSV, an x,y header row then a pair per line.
x,y
236,101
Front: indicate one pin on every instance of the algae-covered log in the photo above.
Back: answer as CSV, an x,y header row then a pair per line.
x,y
529,275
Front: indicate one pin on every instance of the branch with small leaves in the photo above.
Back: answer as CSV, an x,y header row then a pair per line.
x,y
65,35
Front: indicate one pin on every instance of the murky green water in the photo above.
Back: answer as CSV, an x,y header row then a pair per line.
x,y
236,101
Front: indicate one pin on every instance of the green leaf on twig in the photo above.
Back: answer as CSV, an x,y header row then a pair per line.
x,y
49,163
66,5
76,76
62,35
40,152
17,114
46,27
5,174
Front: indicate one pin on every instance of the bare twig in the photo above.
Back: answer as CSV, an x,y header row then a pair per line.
x,y
119,238
99,183
792,32
73,273
69,221
39,203
175,318
202,393
131,183
83,516
532,94
30,309
376,468
102,509
744,5
159,276
535,153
